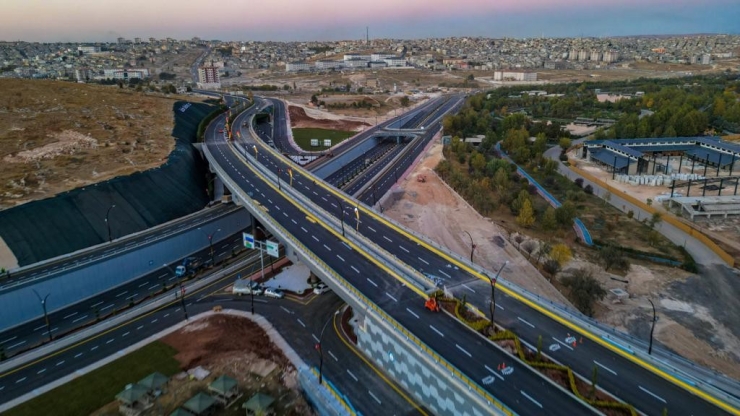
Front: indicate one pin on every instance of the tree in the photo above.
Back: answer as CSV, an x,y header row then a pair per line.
x,y
561,254
655,219
518,203
564,143
477,162
526,215
529,246
584,289
501,180
565,213
551,267
545,249
589,189
404,101
653,238
548,221
611,257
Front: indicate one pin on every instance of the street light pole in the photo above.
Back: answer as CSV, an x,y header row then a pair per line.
x,y
182,292
46,316
341,208
472,245
652,328
318,347
210,243
107,223
493,292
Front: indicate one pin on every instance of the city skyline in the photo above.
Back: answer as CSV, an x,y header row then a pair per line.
x,y
281,20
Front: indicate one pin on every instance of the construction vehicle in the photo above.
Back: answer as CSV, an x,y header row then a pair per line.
x,y
432,304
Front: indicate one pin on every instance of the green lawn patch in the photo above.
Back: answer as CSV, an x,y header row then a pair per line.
x,y
303,137
94,390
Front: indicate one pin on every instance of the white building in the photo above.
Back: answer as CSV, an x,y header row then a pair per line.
x,y
381,56
298,66
355,56
377,64
89,49
355,63
125,74
395,61
514,76
706,59
84,74
328,64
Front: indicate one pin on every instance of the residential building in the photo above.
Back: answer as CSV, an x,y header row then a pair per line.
x,y
84,74
298,66
514,76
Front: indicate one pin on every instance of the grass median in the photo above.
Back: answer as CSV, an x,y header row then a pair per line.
x,y
94,390
303,137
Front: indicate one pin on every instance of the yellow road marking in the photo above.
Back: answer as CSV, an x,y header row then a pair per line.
x,y
378,372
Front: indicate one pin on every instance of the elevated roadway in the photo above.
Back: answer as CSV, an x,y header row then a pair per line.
x,y
627,373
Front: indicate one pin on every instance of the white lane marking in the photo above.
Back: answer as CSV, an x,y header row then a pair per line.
x,y
346,245
499,306
94,348
340,257
327,247
20,380
125,334
436,330
391,296
286,309
563,344
60,363
97,304
314,192
403,248
122,293
412,313
78,355
106,307
314,237
373,396
353,268
294,221
70,315
525,321
334,205
284,213
325,200
172,278
144,284
301,322
41,371
153,287
316,338
605,367
468,287
161,276
372,229
463,350
304,230
371,282
17,345
35,329
139,327
154,320
109,341
167,315
10,339
79,319
652,394
353,376
448,276
389,240
333,356
531,399
423,261
495,373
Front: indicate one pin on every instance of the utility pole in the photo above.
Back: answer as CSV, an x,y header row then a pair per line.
x,y
107,223
46,316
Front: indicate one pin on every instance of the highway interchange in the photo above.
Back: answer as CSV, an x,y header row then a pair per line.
x,y
631,382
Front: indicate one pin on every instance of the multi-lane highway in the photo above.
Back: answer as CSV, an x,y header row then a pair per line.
x,y
648,389
524,390
298,320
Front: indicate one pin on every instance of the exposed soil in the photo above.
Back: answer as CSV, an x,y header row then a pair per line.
x,y
425,205
299,119
56,136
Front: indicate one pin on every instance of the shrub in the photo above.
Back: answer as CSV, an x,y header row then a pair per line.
x,y
552,267
579,182
589,189
584,289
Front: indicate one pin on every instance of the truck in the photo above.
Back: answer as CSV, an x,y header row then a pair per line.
x,y
246,287
189,265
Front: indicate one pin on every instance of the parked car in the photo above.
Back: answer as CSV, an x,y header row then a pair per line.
x,y
321,288
271,292
247,287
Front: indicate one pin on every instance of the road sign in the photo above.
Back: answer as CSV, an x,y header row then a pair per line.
x,y
272,248
248,240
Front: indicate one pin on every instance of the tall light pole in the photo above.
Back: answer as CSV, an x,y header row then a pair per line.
x,y
472,245
493,292
107,223
652,328
357,216
341,208
279,171
318,347
210,242
182,292
46,316
272,263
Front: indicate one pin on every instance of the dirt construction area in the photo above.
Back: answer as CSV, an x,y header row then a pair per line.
x,y
690,322
236,347
319,119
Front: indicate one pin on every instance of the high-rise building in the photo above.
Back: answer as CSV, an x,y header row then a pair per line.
x,y
208,77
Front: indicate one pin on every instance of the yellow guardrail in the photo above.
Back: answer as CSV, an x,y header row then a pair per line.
x,y
690,230
336,395
347,286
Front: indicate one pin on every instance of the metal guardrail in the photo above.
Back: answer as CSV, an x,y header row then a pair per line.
x,y
278,229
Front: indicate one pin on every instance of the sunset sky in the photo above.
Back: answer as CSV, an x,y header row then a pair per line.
x,y
284,20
